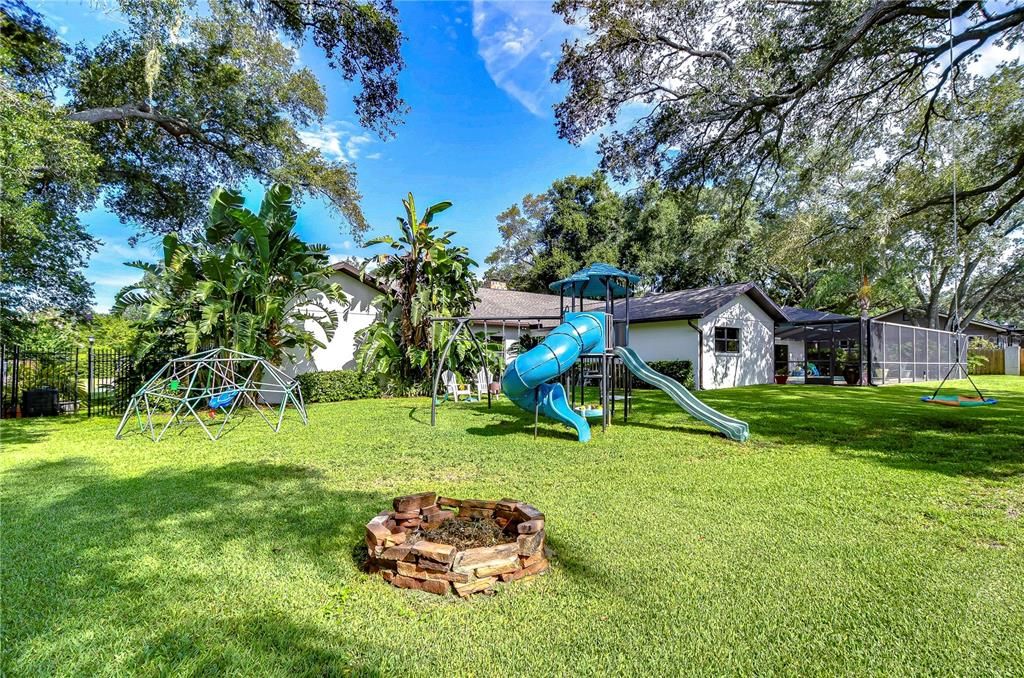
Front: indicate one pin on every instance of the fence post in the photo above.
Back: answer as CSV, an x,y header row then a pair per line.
x,y
76,380
88,383
14,386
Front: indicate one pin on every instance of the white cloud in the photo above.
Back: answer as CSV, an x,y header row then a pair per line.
x,y
374,156
991,55
517,42
337,140
352,146
115,281
115,254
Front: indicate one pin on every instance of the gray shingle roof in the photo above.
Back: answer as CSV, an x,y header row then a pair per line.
x,y
795,314
353,272
496,303
697,303
918,317
492,303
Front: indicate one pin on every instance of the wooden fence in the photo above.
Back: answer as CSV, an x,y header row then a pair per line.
x,y
995,362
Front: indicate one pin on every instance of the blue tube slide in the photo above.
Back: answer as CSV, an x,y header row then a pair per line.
x,y
525,379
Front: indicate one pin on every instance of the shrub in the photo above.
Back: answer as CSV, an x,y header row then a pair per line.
x,y
334,385
680,370
396,388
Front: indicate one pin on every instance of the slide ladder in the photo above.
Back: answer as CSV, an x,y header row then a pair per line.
x,y
732,428
525,379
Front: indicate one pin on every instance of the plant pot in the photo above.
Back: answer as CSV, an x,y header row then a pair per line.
x,y
852,375
495,388
781,378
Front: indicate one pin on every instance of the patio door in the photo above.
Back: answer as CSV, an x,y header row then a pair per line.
x,y
820,362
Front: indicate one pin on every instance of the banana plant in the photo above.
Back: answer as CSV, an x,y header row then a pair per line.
x,y
428,277
250,283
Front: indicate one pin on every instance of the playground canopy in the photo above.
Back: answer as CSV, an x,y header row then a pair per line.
x,y
212,382
596,281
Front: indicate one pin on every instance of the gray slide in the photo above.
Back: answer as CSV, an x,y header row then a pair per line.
x,y
733,428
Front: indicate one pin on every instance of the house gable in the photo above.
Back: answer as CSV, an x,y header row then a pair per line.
x,y
755,329
357,313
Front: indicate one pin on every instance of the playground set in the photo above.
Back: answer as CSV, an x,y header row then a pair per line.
x,y
589,344
211,385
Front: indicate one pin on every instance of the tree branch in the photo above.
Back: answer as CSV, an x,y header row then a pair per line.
x,y
176,127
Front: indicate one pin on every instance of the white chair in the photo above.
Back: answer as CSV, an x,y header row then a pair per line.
x,y
482,385
453,387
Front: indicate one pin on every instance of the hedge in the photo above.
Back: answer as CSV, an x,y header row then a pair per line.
x,y
680,370
334,385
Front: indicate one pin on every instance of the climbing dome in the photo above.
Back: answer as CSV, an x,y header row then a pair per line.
x,y
209,388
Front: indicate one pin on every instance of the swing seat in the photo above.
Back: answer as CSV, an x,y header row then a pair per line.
x,y
958,400
222,400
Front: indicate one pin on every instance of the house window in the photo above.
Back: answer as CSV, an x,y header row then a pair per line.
x,y
727,340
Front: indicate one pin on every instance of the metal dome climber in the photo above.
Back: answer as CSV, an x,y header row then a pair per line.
x,y
211,383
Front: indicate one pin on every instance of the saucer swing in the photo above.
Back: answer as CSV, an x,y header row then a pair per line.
x,y
956,399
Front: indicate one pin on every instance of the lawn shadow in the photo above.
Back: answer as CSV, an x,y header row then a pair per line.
x,y
35,429
586,571
887,425
295,648
73,562
414,415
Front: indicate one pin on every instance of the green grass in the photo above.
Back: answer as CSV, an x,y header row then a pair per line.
x,y
859,531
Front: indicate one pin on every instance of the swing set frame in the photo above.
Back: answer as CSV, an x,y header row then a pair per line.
x,y
463,323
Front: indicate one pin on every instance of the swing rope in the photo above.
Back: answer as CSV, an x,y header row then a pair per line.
x,y
956,268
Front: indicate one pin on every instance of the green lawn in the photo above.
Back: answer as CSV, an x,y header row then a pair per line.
x,y
859,531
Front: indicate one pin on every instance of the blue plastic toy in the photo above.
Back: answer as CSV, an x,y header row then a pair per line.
x,y
222,400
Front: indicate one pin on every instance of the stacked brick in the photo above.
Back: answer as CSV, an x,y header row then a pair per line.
x,y
406,561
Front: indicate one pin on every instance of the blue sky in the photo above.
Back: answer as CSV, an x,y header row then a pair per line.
x,y
480,133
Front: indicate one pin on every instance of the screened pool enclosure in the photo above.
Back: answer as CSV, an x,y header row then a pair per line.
x,y
854,351
901,353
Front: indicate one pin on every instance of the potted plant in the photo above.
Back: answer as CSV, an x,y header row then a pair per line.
x,y
851,373
781,375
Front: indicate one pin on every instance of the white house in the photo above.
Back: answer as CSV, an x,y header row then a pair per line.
x,y
726,332
733,335
358,313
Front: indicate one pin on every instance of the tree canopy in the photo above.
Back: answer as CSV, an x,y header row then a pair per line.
x,y
672,239
545,237
48,174
748,89
181,100
832,131
165,109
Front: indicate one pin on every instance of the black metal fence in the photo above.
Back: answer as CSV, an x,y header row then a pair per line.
x,y
46,383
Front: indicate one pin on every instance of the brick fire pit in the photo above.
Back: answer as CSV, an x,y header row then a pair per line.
x,y
399,551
